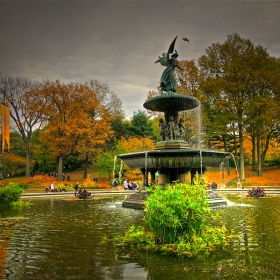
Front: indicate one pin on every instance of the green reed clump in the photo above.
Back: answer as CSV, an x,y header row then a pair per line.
x,y
176,210
10,194
177,220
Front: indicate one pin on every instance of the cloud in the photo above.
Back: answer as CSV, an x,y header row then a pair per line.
x,y
117,42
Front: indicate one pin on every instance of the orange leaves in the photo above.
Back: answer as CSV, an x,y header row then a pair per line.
x,y
14,163
271,178
76,119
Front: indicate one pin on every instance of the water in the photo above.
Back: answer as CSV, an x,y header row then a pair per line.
x,y
61,239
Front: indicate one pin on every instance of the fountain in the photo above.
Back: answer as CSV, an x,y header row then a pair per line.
x,y
173,158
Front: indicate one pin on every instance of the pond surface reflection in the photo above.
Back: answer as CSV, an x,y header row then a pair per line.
x,y
62,239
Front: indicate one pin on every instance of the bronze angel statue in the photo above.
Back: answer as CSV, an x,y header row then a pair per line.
x,y
167,81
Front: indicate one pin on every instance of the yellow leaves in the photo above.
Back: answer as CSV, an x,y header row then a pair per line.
x,y
135,144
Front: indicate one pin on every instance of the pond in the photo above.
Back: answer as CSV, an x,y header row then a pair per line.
x,y
62,239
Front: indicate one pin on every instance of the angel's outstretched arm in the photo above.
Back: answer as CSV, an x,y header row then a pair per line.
x,y
180,67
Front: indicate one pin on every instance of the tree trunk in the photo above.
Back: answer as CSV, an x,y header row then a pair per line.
x,y
235,143
27,158
266,146
86,166
59,168
225,142
259,153
242,161
254,164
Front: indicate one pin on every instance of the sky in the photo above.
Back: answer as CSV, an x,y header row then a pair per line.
x,y
117,42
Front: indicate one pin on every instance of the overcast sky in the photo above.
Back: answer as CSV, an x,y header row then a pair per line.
x,y
117,42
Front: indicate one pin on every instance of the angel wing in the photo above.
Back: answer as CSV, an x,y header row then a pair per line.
x,y
163,60
172,46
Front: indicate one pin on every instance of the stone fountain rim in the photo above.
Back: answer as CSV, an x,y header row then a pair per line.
x,y
176,152
166,101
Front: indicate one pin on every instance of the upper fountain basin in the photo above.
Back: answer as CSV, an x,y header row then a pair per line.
x,y
171,102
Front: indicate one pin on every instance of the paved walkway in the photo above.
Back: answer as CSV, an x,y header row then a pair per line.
x,y
123,192
71,193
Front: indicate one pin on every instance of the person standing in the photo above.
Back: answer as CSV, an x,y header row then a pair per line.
x,y
239,184
156,177
114,183
52,187
76,187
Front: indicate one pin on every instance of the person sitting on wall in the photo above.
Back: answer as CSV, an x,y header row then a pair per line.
x,y
214,185
130,186
125,184
83,194
135,186
52,187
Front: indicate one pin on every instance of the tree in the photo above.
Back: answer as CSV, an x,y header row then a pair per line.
x,y
13,92
141,126
76,119
105,161
231,69
113,105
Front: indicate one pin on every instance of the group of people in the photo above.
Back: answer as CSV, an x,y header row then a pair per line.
x,y
130,185
52,188
81,194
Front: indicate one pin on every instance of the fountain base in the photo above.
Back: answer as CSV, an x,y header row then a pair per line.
x,y
136,200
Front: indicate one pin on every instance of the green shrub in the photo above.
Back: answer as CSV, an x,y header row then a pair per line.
x,y
177,222
176,210
10,194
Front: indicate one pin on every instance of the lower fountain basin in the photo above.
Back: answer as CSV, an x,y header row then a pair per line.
x,y
174,158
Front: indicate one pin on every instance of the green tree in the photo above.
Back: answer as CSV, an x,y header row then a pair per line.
x,y
232,70
141,126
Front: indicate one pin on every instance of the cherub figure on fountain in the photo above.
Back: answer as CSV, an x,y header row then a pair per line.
x,y
162,127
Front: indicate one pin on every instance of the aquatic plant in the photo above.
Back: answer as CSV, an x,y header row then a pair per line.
x,y
9,194
177,222
176,210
